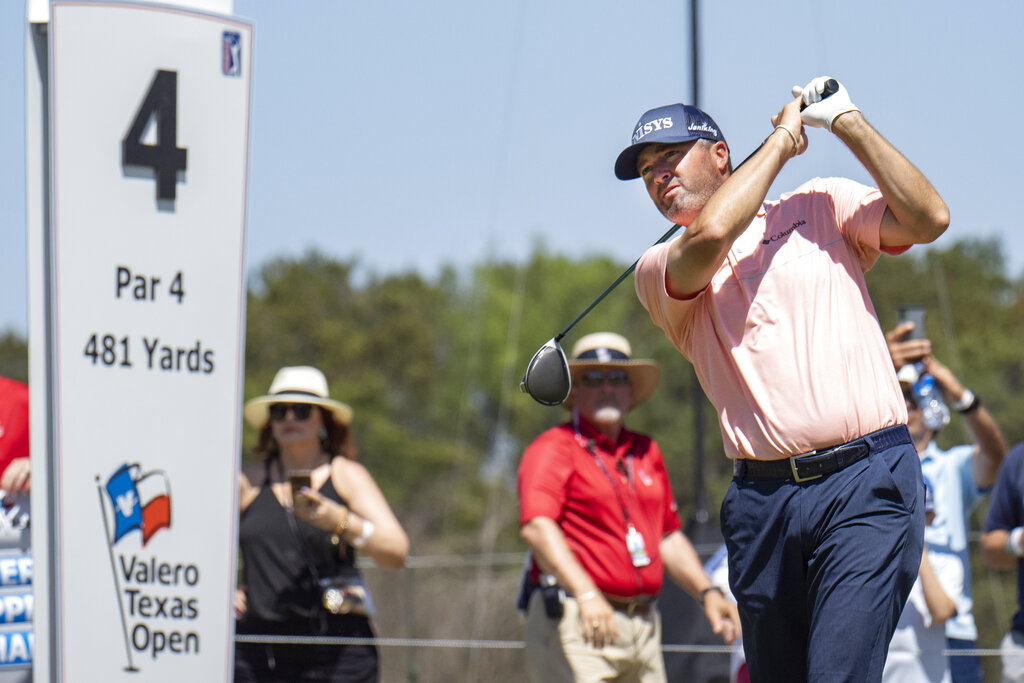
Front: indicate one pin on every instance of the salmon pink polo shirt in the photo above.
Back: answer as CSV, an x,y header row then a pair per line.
x,y
784,339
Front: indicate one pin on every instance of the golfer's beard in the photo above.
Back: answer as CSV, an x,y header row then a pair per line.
x,y
686,205
608,415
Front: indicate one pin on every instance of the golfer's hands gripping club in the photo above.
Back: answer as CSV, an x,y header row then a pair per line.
x,y
789,119
824,100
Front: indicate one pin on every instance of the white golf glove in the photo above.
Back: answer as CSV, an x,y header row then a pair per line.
x,y
821,113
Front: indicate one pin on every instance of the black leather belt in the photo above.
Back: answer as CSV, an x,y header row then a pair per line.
x,y
822,462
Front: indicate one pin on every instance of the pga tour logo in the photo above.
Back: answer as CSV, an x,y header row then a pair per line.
x,y
157,599
231,53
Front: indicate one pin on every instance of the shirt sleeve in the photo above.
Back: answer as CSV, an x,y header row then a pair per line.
x,y
1006,510
949,570
858,212
667,312
969,489
544,473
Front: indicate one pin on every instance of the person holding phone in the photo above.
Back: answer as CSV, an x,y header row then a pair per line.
x,y
961,476
305,511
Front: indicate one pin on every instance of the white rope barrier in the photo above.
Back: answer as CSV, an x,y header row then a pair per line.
x,y
383,642
470,644
440,643
485,560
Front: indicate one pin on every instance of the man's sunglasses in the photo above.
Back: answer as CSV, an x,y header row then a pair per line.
x,y
301,411
595,378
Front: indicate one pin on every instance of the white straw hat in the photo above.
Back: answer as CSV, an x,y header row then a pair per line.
x,y
299,384
603,350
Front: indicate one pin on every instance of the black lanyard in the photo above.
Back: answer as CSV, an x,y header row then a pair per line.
x,y
611,479
630,529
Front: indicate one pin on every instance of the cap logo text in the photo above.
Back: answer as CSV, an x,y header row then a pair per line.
x,y
703,128
650,127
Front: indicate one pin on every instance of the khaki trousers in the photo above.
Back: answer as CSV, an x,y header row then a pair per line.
x,y
556,652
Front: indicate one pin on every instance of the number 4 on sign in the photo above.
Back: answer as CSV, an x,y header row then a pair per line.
x,y
165,157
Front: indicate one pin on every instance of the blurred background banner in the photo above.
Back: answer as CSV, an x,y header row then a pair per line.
x,y
141,273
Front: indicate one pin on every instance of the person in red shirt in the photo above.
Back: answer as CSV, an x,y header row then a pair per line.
x,y
597,511
14,453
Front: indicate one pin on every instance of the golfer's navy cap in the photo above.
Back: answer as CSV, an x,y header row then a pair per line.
x,y
669,124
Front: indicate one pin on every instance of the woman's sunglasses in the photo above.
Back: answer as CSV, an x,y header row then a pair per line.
x,y
301,411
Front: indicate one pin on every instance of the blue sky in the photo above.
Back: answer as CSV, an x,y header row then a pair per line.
x,y
410,135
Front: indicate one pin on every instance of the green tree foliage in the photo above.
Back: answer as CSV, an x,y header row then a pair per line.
x,y
13,357
432,368
384,348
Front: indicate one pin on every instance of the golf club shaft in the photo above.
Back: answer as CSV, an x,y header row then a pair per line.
x,y
609,288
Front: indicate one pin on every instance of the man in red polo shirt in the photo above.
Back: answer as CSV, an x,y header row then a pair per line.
x,y
14,454
597,511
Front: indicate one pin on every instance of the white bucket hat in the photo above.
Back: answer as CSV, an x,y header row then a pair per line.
x,y
299,384
603,350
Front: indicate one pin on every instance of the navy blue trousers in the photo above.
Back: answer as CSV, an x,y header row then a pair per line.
x,y
964,668
821,569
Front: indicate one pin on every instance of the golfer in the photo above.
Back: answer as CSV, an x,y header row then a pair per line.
x,y
824,518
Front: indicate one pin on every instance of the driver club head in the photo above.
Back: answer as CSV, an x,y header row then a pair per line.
x,y
547,379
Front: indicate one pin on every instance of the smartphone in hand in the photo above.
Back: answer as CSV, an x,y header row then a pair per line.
x,y
298,479
914,314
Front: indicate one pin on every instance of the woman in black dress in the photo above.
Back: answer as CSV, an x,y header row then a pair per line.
x,y
305,511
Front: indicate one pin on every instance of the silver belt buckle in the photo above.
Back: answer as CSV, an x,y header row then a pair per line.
x,y
796,475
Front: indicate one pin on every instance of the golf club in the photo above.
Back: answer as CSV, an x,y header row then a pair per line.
x,y
547,379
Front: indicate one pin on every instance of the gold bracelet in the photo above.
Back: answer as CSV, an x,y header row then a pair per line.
x,y
792,136
341,527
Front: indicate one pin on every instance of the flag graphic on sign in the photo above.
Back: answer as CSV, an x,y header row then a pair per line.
x,y
141,501
231,53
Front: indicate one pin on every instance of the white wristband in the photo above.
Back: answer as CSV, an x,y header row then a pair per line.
x,y
365,536
1013,545
965,401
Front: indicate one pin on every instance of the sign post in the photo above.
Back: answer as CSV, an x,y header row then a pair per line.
x,y
149,134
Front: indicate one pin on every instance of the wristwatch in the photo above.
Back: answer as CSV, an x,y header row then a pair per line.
x,y
704,593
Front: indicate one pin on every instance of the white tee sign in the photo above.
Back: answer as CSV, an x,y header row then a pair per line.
x,y
149,139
